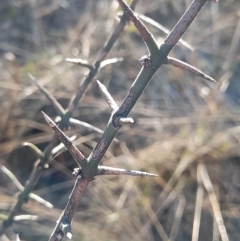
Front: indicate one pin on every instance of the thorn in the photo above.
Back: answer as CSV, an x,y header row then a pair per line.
x,y
48,120
69,235
103,170
107,96
25,217
61,147
40,200
193,70
110,61
126,121
17,237
76,154
81,62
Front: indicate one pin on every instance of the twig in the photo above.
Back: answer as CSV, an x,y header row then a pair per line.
x,y
214,202
182,65
198,207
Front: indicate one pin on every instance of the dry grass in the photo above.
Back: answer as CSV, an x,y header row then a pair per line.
x,y
181,121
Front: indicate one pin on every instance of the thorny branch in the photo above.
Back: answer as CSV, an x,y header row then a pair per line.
x,y
37,171
157,58
90,166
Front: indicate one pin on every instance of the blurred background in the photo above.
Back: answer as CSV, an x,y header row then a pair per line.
x,y
186,130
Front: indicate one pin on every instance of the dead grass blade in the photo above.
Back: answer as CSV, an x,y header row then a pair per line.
x,y
177,218
214,202
198,207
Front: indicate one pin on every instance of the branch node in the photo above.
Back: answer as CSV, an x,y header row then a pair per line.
x,y
77,172
66,228
146,61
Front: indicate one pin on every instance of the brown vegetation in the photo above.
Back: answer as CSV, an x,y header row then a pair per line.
x,y
185,128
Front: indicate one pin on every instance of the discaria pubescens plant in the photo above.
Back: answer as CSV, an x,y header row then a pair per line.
x,y
89,167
